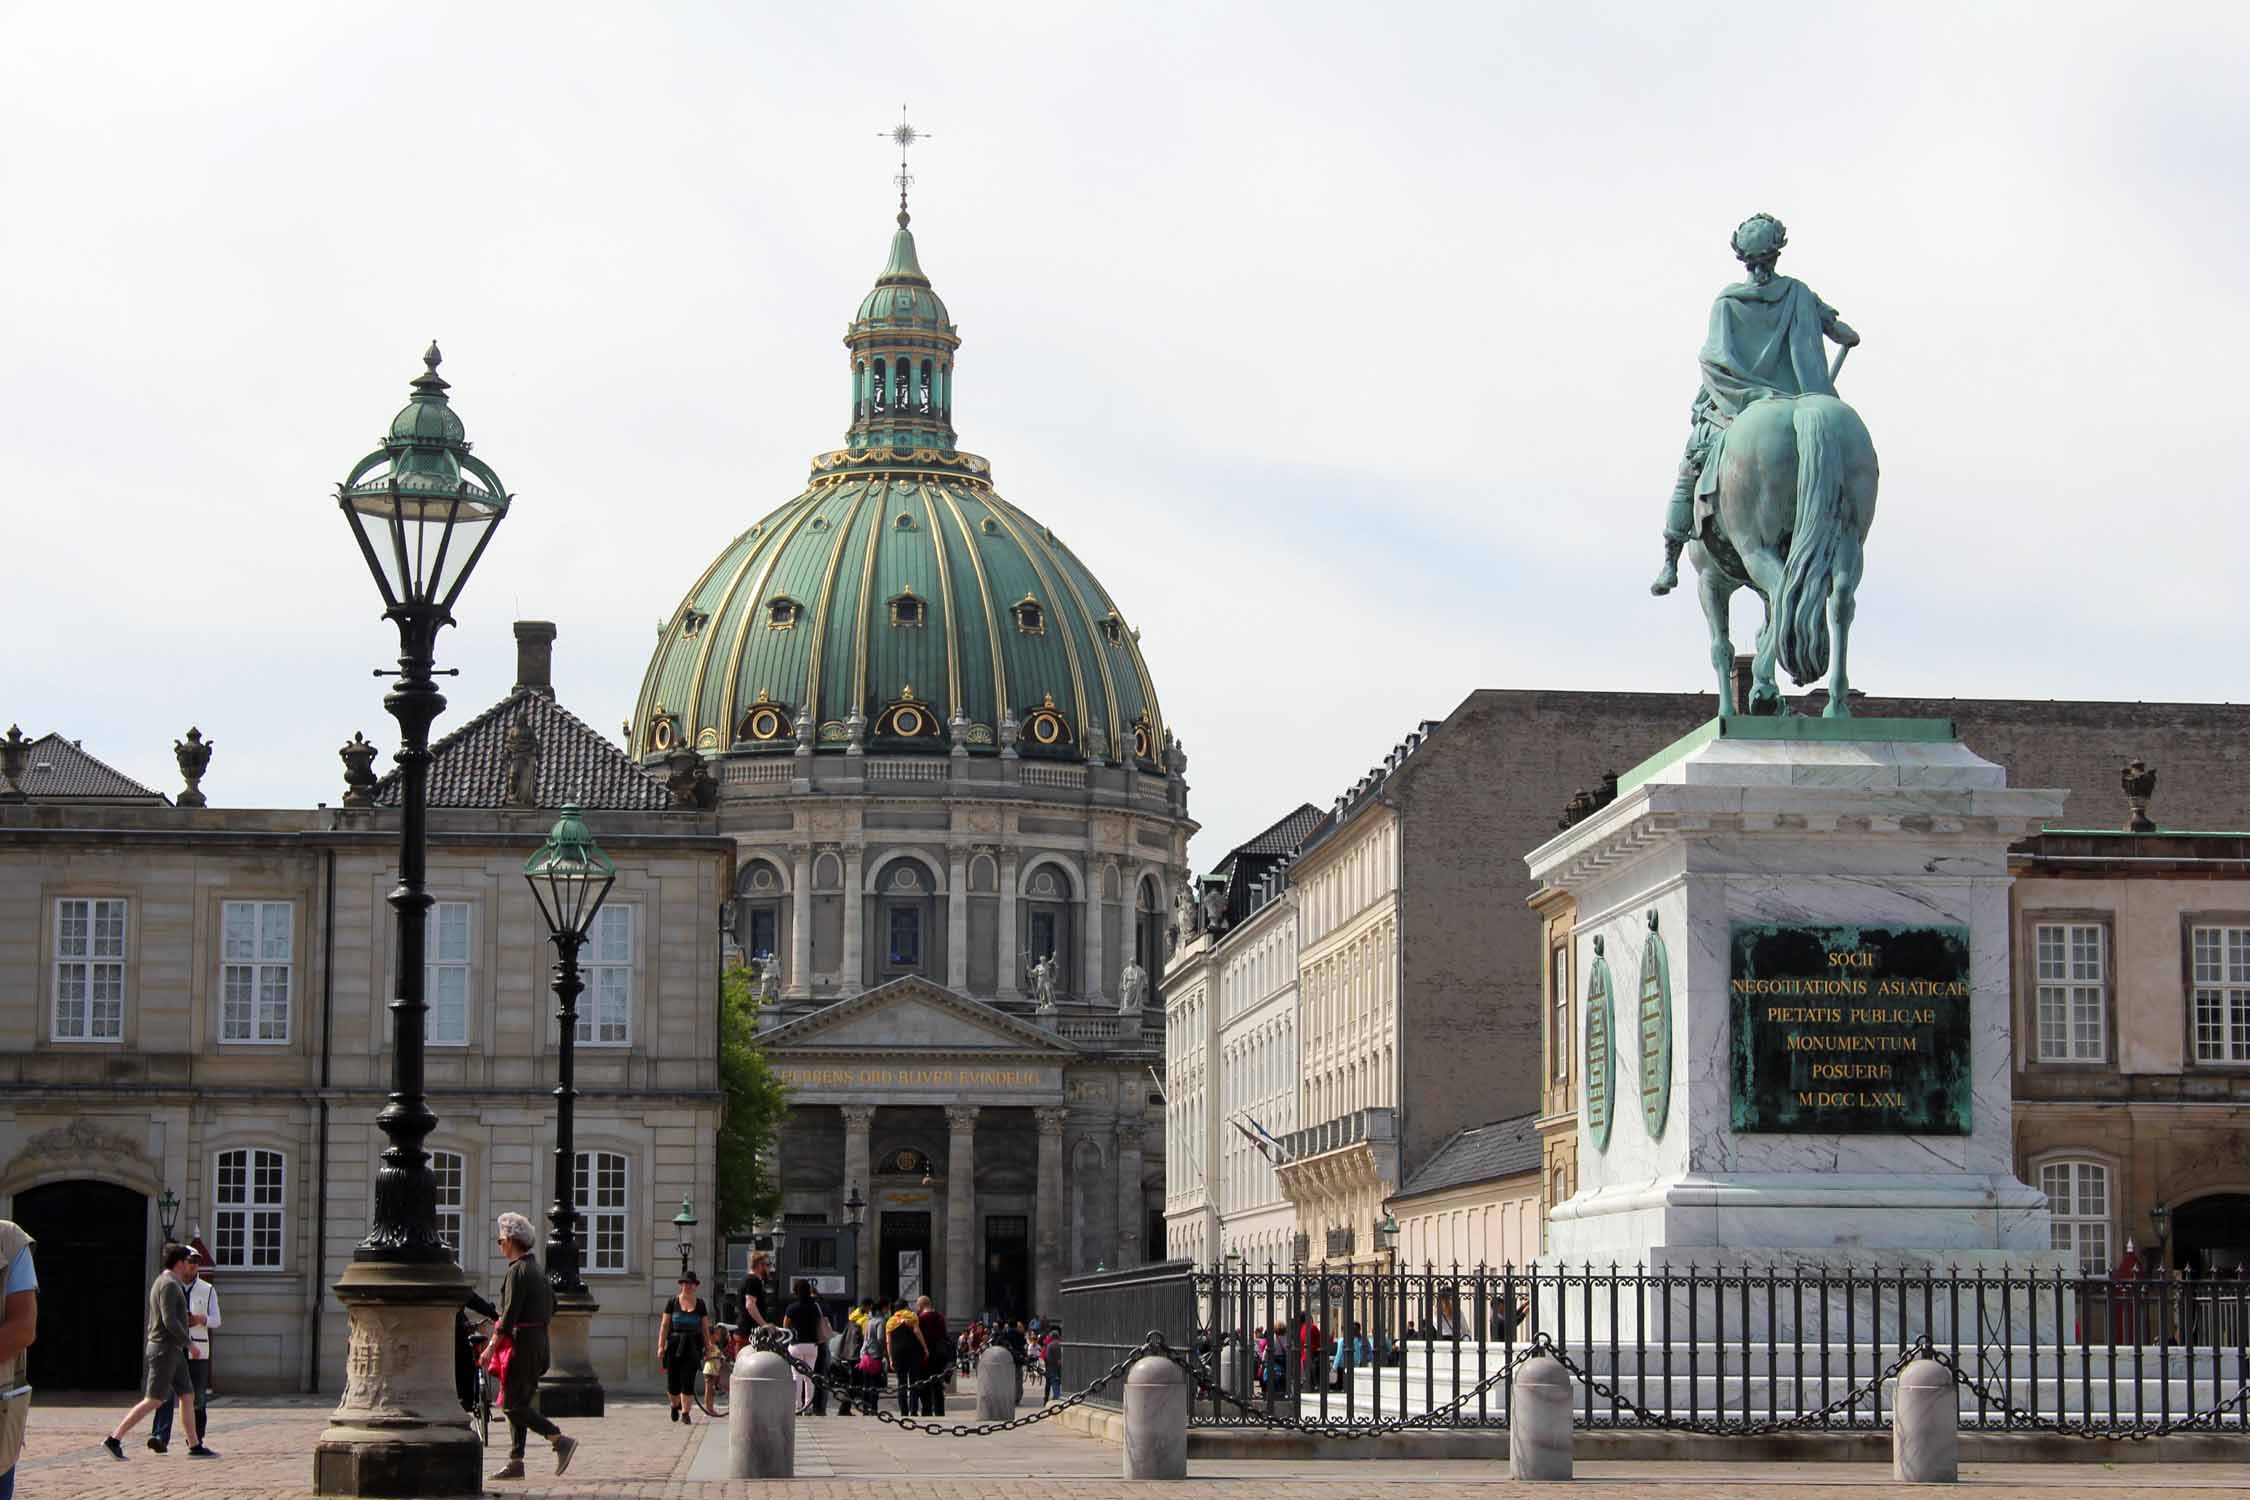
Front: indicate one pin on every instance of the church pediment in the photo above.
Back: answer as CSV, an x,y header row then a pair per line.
x,y
914,1016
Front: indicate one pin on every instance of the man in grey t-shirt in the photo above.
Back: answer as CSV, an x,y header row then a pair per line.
x,y
164,1358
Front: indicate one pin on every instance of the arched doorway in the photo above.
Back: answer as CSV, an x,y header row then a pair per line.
x,y
93,1282
2209,1235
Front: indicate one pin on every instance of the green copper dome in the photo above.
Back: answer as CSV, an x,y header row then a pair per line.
x,y
899,600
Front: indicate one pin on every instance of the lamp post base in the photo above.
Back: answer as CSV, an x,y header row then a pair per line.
x,y
570,1388
400,1430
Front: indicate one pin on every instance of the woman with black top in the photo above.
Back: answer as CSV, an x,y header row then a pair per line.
x,y
683,1332
808,1330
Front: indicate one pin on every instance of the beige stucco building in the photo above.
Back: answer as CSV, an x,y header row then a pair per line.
x,y
2132,1071
193,1000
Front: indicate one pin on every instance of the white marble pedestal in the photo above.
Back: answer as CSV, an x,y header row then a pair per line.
x,y
1798,823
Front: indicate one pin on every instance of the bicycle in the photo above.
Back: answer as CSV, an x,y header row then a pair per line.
x,y
488,1389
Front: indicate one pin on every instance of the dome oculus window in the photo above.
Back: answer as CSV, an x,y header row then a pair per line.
x,y
1031,619
909,611
1045,726
782,612
766,722
1144,744
908,719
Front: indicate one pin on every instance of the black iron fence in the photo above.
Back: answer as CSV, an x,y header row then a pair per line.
x,y
1728,1349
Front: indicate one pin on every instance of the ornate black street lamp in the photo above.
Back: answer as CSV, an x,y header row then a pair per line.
x,y
685,1221
855,1208
569,877
168,1213
422,511
422,524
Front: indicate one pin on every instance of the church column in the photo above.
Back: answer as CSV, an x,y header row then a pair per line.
x,y
960,1214
1091,986
1047,1280
799,985
1129,1212
1006,988
957,922
858,1120
850,980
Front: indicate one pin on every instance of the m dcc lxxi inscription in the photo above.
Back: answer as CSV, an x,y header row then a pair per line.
x,y
1849,1030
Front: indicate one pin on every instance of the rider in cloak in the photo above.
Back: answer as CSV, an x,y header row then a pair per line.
x,y
1765,340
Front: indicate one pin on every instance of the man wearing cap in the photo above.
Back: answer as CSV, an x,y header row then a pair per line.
x,y
203,1316
164,1364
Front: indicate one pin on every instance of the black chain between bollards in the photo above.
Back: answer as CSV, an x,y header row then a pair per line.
x,y
1151,1347
1744,1427
1540,1344
2087,1428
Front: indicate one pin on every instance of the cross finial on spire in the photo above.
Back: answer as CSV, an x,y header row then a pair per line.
x,y
906,135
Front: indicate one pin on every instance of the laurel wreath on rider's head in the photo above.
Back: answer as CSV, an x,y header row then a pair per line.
x,y
1763,231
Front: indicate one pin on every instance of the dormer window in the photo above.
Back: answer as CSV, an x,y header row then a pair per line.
x,y
904,522
909,611
692,622
766,722
1031,619
1113,628
782,612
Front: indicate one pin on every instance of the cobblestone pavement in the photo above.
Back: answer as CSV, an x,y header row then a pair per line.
x,y
635,1452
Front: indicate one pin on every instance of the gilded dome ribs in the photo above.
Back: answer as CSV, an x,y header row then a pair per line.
x,y
820,606
731,685
954,705
1004,512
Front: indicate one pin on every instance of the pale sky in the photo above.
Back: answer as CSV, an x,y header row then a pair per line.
x,y
1351,345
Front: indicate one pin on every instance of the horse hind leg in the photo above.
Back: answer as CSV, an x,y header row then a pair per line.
x,y
1765,575
1716,590
1843,603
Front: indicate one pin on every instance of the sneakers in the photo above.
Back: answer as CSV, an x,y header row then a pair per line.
x,y
512,1469
564,1448
199,1451
116,1448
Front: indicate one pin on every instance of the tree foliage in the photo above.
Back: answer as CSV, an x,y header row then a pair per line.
x,y
757,1102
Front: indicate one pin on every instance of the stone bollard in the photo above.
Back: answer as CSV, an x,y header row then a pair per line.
x,y
997,1384
762,1417
1926,1425
1156,1418
1539,1427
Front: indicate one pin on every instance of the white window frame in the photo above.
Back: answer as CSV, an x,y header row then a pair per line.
x,y
451,1169
605,1009
2219,994
441,969
92,958
2070,991
2081,1224
261,969
250,1212
1559,1026
602,1187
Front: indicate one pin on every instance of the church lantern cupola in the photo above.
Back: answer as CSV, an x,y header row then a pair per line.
x,y
902,345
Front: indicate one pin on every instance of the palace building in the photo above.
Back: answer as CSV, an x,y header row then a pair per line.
x,y
961,820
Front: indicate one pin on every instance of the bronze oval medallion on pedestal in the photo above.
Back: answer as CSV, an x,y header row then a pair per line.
x,y
1656,1033
1601,1054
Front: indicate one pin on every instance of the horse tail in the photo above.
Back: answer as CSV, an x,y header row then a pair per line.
x,y
1818,543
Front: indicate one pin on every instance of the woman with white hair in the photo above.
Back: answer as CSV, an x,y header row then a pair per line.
x,y
519,1346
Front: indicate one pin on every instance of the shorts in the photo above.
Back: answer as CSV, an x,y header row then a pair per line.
x,y
164,1373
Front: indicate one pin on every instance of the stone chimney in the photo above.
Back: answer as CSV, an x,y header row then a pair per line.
x,y
535,656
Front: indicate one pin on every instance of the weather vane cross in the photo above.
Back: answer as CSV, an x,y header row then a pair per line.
x,y
905,135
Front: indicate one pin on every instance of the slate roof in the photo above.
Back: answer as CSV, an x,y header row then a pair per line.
x,y
1481,1153
59,770
1286,835
469,767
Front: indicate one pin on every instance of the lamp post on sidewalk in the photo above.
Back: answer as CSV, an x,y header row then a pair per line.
x,y
422,510
569,877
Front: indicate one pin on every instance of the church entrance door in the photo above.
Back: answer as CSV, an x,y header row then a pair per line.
x,y
902,1261
93,1279
1007,1264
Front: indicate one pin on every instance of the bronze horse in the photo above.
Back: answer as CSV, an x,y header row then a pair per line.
x,y
1790,515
